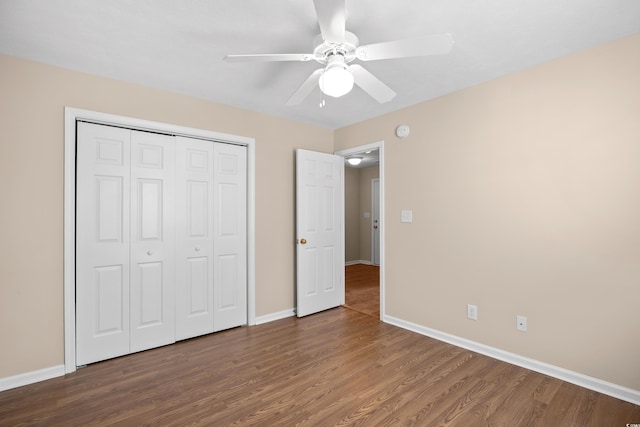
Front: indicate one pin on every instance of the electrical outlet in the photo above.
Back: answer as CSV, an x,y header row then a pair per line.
x,y
472,312
521,323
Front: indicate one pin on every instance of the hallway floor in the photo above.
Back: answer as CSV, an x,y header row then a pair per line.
x,y
362,289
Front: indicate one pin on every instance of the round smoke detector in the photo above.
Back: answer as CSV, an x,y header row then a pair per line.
x,y
402,131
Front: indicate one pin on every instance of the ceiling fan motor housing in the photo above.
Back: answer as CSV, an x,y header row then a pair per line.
x,y
324,50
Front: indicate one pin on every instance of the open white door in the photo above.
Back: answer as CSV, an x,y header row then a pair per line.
x,y
320,231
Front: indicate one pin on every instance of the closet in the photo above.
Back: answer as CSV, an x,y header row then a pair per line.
x,y
160,239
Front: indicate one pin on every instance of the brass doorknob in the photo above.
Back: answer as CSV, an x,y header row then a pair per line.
x,y
303,241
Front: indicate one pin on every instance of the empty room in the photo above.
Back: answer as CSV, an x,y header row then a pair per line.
x,y
189,191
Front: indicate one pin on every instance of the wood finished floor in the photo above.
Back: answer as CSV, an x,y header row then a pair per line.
x,y
334,368
362,289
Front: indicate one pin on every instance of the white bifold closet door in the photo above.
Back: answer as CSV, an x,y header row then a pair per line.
x,y
194,238
230,236
160,240
152,262
103,192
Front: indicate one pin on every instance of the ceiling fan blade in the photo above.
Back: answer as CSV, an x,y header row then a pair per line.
x,y
438,44
331,17
371,84
269,57
305,89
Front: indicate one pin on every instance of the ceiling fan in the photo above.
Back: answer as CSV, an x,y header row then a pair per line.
x,y
335,48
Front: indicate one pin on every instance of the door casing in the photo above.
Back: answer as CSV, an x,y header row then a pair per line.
x,y
71,116
375,226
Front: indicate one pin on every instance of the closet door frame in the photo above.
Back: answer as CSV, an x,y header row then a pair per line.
x,y
71,117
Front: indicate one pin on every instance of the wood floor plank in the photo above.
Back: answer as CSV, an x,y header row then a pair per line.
x,y
513,386
427,395
338,367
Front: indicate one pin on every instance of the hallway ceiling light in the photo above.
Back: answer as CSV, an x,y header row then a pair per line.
x,y
354,161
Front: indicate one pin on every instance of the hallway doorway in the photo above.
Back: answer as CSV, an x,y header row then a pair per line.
x,y
364,229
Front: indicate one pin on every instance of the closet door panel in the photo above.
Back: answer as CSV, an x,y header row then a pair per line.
x,y
230,236
152,290
194,237
102,243
161,240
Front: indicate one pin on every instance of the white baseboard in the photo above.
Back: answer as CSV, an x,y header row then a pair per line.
x,y
31,377
604,387
275,316
359,261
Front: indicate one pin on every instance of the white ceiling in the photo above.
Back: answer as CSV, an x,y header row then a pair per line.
x,y
179,45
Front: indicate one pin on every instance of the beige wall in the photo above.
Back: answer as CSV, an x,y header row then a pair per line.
x,y
524,192
526,201
366,175
351,214
32,101
357,202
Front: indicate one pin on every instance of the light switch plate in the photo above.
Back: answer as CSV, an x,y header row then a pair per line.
x,y
367,214
406,216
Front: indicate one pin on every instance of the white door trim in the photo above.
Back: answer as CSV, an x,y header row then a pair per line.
x,y
71,116
373,230
361,149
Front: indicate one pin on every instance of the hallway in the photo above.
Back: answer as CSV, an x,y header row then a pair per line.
x,y
362,289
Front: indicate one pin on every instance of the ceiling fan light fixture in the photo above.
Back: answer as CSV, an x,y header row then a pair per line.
x,y
336,80
354,161
335,47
